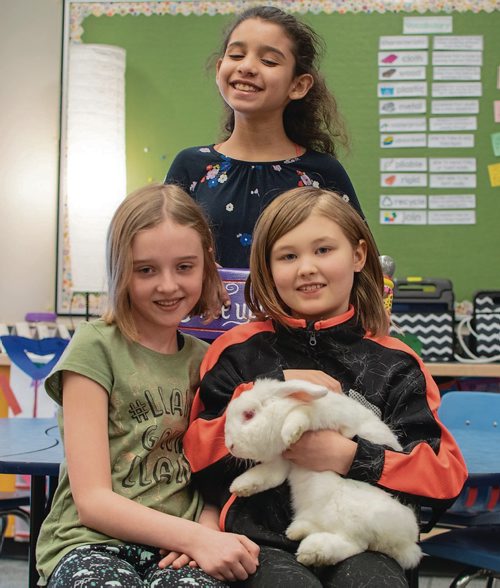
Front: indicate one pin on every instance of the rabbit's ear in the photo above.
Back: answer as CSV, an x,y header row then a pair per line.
x,y
301,390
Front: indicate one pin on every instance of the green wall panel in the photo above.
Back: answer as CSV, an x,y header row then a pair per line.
x,y
172,102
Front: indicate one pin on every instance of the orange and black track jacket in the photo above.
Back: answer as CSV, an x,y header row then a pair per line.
x,y
382,372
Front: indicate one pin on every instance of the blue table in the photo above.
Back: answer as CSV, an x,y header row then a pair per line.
x,y
32,447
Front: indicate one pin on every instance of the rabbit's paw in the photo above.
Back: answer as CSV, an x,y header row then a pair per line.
x,y
408,556
296,423
291,437
299,529
245,485
322,549
378,432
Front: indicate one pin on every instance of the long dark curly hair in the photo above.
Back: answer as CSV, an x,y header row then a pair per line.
x,y
313,121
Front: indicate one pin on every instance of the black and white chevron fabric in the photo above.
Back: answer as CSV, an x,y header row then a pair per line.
x,y
436,332
487,323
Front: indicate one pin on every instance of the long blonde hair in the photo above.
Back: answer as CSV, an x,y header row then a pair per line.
x,y
144,209
287,212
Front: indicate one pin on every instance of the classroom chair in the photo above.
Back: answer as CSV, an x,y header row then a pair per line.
x,y
477,412
476,547
11,503
474,519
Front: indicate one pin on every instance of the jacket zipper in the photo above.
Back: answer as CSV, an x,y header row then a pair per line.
x,y
312,335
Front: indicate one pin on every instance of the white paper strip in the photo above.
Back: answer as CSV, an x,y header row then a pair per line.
x,y
411,201
399,58
398,180
411,164
457,58
447,89
403,140
458,42
401,89
402,73
452,217
457,73
403,217
452,164
453,123
427,24
409,125
453,181
404,106
452,201
455,106
403,42
451,141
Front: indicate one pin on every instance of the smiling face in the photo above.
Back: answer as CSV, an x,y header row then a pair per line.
x,y
167,277
313,268
256,73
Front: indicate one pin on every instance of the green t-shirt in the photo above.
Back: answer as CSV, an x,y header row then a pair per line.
x,y
150,396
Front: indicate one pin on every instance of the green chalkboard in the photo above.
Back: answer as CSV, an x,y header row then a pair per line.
x,y
172,102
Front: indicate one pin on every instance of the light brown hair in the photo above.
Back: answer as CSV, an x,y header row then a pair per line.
x,y
287,212
144,209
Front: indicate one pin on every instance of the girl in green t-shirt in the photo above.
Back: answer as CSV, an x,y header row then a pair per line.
x,y
124,510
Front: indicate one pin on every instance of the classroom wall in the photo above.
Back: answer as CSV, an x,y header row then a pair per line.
x,y
172,102
30,62
30,66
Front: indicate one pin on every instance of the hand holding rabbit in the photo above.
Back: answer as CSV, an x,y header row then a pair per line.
x,y
334,517
322,451
318,377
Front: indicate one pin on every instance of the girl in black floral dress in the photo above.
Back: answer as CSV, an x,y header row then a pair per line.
x,y
282,129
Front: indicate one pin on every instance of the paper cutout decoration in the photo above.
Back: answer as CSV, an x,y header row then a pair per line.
x,y
494,173
495,142
9,396
34,358
18,349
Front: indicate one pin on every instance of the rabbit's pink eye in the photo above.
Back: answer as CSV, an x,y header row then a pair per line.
x,y
248,415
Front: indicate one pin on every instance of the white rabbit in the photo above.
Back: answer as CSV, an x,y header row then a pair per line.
x,y
334,517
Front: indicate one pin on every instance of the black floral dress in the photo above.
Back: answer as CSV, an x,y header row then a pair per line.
x,y
234,193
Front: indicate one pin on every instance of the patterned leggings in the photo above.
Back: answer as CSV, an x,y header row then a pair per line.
x,y
280,569
127,566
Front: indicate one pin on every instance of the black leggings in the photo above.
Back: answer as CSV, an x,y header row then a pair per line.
x,y
280,569
129,566
136,566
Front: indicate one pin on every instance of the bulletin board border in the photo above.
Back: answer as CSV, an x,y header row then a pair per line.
x,y
80,10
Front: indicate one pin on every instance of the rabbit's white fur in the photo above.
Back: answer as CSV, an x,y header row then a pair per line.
x,y
334,517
